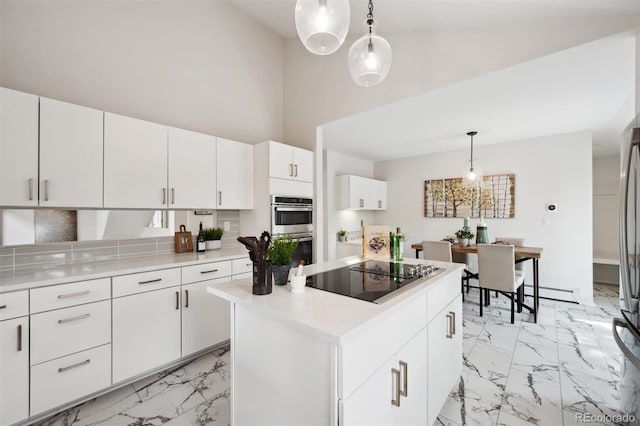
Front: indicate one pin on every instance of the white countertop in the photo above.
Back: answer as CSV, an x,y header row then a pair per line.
x,y
327,315
64,273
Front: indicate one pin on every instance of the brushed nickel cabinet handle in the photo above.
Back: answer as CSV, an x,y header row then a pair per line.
x,y
30,189
46,189
79,317
379,204
295,174
3,306
453,322
209,272
449,328
20,338
361,202
177,300
219,198
164,195
157,280
173,195
186,294
80,364
79,293
290,169
395,373
404,368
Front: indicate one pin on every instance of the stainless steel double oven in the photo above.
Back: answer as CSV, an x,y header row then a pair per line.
x,y
294,216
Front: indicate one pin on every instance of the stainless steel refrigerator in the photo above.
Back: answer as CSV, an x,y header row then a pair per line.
x,y
626,328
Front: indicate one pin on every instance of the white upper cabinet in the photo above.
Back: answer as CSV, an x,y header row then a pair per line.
x,y
288,162
18,148
135,163
234,174
360,193
70,155
192,170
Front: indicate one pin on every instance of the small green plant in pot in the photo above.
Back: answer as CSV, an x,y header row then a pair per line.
x,y
342,235
212,237
464,235
280,252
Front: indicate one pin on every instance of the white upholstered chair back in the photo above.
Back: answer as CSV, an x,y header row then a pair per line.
x,y
516,242
437,250
496,267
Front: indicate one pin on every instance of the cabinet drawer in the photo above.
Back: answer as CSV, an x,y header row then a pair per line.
x,y
441,293
206,271
65,295
367,352
13,305
240,266
64,331
65,379
145,281
242,276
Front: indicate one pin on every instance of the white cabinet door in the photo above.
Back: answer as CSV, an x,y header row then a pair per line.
x,y
280,160
355,192
71,141
412,363
14,370
135,163
370,404
378,194
192,170
302,164
234,175
444,355
18,148
205,317
146,331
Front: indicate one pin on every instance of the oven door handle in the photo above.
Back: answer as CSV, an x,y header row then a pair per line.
x,y
303,239
293,209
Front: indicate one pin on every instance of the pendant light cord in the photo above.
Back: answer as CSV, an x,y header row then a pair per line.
x,y
370,17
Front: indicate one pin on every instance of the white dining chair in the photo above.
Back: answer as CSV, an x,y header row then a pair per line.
x,y
496,270
440,251
518,242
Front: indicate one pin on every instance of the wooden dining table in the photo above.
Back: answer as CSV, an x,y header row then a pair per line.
x,y
522,254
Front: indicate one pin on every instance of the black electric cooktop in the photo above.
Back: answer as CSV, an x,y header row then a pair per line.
x,y
373,280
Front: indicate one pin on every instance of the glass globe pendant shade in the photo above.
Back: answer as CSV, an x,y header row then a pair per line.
x,y
472,173
369,60
322,24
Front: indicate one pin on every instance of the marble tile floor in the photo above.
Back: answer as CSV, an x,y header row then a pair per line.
x,y
513,374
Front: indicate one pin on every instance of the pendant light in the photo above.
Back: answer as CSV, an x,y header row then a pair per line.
x,y
369,56
322,24
472,171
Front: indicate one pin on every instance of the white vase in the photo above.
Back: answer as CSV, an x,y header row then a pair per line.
x,y
464,242
213,244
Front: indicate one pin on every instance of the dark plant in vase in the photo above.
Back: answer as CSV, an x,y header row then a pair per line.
x,y
212,237
280,252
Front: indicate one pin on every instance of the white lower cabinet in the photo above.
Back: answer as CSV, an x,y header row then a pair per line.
x,y
205,317
65,379
146,331
14,370
444,354
396,393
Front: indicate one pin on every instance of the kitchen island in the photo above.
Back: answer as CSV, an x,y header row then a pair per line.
x,y
319,358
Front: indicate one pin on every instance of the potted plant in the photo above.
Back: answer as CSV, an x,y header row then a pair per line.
x,y
464,235
280,252
212,237
342,235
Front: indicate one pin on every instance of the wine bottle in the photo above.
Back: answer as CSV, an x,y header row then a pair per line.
x,y
201,245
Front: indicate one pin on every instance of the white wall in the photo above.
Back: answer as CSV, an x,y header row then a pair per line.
x,y
554,168
319,90
199,65
336,164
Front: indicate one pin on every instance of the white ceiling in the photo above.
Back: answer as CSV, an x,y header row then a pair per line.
x,y
589,87
405,15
